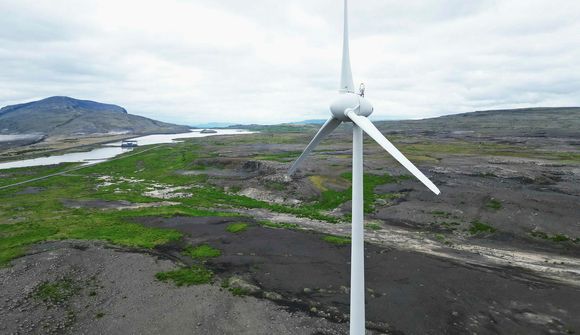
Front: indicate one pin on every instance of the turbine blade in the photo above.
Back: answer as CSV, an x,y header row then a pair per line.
x,y
326,129
346,82
376,135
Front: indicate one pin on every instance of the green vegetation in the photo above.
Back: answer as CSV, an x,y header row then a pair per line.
x,y
279,157
337,240
443,239
31,218
494,204
480,227
56,292
194,275
441,214
373,226
274,185
237,227
203,251
485,148
330,199
238,291
558,238
276,225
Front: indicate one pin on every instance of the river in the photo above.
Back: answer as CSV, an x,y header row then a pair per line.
x,y
110,150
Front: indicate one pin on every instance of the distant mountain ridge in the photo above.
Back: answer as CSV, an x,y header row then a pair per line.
x,y
64,116
534,122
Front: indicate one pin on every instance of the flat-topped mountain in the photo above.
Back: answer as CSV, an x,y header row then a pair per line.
x,y
64,116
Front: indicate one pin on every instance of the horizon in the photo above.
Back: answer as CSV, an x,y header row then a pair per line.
x,y
420,61
219,124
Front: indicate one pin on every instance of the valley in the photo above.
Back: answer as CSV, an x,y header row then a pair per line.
x,y
217,220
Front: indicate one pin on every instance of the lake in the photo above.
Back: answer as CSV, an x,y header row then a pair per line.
x,y
110,150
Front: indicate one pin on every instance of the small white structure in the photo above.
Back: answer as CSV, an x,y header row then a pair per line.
x,y
352,107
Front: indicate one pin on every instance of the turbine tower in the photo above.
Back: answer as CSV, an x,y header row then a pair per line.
x,y
352,107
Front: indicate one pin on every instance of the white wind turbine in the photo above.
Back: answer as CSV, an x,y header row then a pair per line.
x,y
351,107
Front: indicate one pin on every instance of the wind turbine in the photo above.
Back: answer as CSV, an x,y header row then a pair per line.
x,y
352,107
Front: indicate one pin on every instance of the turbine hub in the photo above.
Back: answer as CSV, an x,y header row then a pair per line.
x,y
350,101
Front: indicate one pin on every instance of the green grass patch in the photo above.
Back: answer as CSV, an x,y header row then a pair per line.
x,y
558,238
237,227
275,185
194,275
441,214
373,226
276,225
494,204
331,199
336,240
238,291
279,157
56,292
443,239
203,251
478,227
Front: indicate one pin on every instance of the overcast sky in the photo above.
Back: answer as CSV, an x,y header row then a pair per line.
x,y
270,61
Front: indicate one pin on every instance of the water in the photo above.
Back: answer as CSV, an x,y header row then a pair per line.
x,y
110,150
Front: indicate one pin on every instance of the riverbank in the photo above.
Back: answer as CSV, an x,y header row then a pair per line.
x,y
107,149
58,146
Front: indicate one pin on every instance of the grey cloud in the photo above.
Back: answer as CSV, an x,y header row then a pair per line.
x,y
271,61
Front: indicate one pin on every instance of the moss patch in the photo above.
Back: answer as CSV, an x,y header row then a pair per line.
x,y
203,251
558,238
478,227
194,275
276,225
56,292
336,240
237,227
494,204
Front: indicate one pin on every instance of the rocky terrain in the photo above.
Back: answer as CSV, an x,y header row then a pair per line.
x,y
258,252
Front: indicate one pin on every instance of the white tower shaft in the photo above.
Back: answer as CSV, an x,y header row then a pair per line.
x,y
357,258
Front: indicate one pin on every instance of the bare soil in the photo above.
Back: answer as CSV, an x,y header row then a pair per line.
x,y
407,292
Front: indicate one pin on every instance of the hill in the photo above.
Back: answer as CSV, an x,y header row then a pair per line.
x,y
531,122
63,116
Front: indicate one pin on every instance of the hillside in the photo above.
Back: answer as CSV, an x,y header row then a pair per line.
x,y
525,122
532,122
64,116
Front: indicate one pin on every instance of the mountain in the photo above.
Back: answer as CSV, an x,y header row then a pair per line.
x,y
63,116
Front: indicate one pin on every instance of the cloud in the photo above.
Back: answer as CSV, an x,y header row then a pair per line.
x,y
270,61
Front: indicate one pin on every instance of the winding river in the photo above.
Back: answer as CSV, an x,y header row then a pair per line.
x,y
110,150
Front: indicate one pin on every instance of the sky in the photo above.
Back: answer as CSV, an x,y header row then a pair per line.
x,y
268,61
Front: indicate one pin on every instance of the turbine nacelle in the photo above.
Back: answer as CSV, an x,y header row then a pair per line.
x,y
350,101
